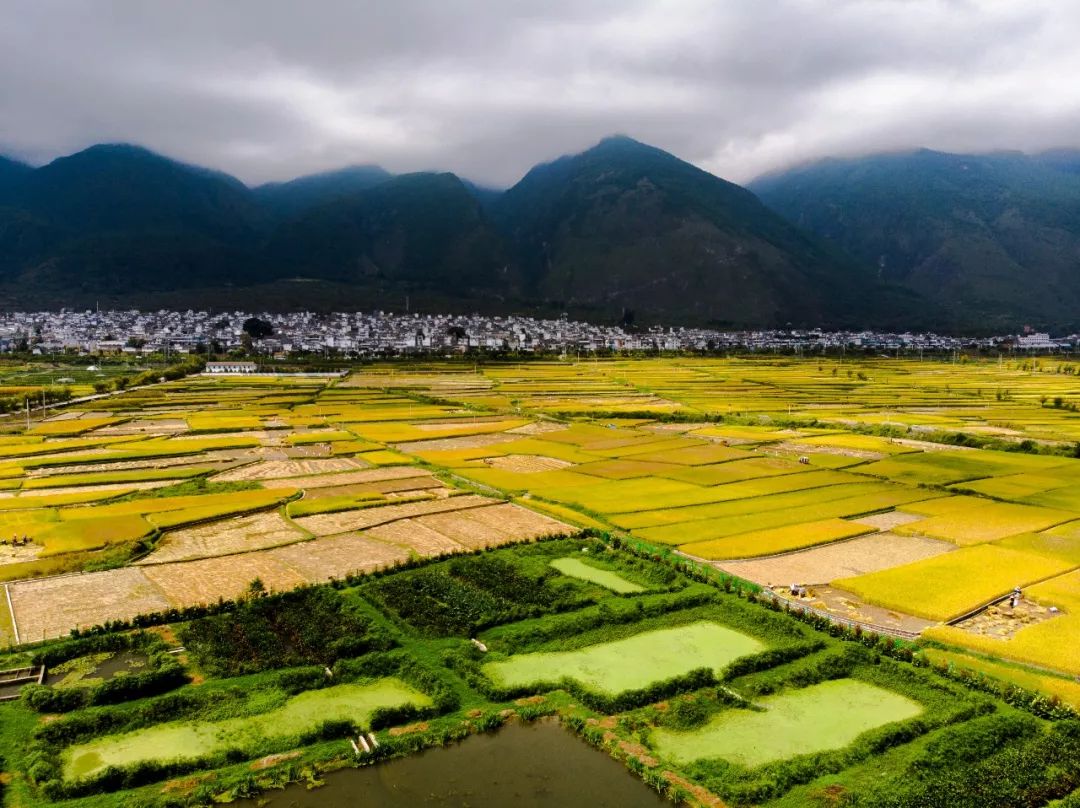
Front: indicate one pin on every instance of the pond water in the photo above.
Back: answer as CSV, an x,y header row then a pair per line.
x,y
538,765
179,740
97,668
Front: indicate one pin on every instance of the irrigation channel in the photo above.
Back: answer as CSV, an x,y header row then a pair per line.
x,y
538,765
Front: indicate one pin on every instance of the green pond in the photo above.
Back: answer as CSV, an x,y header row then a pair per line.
x,y
189,739
576,568
538,765
825,716
631,663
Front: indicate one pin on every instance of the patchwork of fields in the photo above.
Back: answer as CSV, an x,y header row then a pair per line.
x,y
186,493
904,496
813,472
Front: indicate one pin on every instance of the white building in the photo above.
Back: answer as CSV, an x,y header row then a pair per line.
x,y
231,367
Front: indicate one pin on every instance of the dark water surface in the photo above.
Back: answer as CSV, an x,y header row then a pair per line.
x,y
522,765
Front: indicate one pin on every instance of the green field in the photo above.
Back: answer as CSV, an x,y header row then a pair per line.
x,y
633,663
576,568
817,718
167,742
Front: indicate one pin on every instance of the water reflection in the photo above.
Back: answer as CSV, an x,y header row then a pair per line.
x,y
538,765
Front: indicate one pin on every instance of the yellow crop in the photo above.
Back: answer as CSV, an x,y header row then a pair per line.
x,y
948,585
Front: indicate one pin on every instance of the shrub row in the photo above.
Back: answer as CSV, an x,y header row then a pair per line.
x,y
164,673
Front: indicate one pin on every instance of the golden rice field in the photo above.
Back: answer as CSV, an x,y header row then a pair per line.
x,y
851,469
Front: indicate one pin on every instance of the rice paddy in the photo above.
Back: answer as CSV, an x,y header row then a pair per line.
x,y
900,494
816,471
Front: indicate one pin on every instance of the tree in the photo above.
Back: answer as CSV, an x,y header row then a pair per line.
x,y
257,328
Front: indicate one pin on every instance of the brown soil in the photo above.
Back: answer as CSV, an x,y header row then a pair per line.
x,y
702,795
347,477
415,535
461,442
329,524
819,565
276,469
409,729
887,521
1002,621
526,464
335,557
813,448
194,582
224,537
273,760
51,607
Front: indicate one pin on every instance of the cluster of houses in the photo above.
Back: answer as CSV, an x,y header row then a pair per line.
x,y
361,334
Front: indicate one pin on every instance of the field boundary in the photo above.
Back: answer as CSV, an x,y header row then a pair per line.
x,y
1001,598
11,611
843,621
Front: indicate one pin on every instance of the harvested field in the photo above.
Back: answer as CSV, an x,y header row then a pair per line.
x,y
466,531
206,458
347,477
51,607
417,535
819,565
328,524
116,488
888,520
338,556
193,582
526,464
537,428
405,485
841,451
256,532
18,555
276,469
521,523
450,444
150,426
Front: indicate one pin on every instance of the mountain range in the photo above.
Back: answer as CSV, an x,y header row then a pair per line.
x,y
622,231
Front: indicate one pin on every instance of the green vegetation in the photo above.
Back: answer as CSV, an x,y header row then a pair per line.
x,y
303,627
353,703
576,568
285,572
824,716
630,664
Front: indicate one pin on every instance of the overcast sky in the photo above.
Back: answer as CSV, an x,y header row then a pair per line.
x,y
270,89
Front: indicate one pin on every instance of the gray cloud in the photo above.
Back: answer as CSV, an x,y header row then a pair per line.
x,y
270,89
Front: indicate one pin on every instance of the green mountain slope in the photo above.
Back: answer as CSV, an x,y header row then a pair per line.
x,y
995,239
625,225
121,217
288,199
415,231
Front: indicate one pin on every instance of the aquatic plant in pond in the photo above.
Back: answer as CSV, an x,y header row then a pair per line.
x,y
191,740
824,716
576,568
632,663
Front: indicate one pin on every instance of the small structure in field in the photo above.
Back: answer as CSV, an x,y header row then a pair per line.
x,y
232,368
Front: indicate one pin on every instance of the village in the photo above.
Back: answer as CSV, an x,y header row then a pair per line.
x,y
383,334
